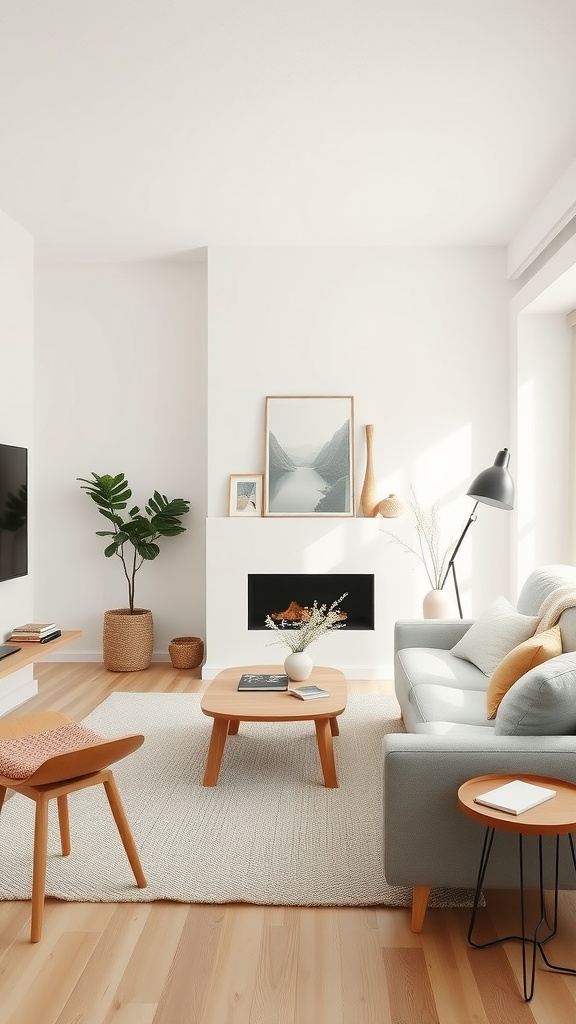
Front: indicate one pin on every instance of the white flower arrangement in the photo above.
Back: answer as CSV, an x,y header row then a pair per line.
x,y
297,636
434,556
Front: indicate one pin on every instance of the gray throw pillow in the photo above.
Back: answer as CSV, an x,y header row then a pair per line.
x,y
493,635
542,702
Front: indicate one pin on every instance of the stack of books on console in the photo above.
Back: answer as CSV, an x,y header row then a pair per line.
x,y
35,633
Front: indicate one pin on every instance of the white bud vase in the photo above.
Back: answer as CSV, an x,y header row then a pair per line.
x,y
436,605
298,666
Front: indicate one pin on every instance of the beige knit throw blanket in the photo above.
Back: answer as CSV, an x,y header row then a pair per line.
x,y
553,606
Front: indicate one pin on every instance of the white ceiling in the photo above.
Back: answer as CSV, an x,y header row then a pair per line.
x,y
143,129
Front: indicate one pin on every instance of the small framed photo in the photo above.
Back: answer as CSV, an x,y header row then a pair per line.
x,y
309,455
245,495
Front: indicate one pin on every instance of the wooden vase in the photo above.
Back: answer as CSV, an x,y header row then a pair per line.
x,y
369,496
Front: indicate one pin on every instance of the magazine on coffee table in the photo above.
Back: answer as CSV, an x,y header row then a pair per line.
x,y
308,692
263,681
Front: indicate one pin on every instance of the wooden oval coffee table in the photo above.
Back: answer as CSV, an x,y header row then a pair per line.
x,y
228,708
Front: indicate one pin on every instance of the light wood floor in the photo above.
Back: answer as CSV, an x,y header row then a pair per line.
x,y
164,963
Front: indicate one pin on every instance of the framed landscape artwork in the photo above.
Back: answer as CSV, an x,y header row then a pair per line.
x,y
309,456
245,495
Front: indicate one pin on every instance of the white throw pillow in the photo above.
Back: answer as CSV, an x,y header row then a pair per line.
x,y
493,635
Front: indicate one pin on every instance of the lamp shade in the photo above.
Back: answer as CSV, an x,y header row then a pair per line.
x,y
495,486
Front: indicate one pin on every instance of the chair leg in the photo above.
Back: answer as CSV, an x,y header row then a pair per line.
x,y
2,795
124,829
64,823
39,866
420,894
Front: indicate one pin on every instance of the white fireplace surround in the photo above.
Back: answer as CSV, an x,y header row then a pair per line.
x,y
237,547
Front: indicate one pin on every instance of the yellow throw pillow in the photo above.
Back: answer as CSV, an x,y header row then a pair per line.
x,y
534,651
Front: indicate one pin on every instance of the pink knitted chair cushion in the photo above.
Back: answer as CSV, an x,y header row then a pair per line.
x,y
21,756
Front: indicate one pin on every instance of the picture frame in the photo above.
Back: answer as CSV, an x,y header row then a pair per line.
x,y
309,466
245,499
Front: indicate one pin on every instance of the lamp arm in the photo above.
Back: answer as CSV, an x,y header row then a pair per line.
x,y
472,519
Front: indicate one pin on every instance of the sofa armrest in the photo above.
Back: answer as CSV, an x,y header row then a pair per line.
x,y
428,840
439,633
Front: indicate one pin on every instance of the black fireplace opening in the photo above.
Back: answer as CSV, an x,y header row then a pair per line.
x,y
273,593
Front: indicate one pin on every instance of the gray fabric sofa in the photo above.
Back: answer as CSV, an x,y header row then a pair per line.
x,y
428,841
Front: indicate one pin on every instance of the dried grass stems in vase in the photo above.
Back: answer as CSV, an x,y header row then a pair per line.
x,y
433,554
298,634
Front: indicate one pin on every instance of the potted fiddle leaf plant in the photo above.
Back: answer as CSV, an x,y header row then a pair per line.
x,y
128,633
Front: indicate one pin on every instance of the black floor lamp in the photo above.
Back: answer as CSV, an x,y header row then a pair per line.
x,y
493,486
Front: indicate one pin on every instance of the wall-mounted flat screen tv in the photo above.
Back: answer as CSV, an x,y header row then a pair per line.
x,y
13,511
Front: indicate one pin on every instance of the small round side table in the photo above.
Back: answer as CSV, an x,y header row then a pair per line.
x,y
555,817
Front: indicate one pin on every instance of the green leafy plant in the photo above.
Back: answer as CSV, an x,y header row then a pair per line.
x,y
112,494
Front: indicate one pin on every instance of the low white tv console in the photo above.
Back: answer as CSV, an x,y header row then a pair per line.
x,y
12,696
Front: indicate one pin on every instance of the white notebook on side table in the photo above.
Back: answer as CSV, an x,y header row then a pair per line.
x,y
515,797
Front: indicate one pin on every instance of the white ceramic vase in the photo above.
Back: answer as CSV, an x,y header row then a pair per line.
x,y
298,666
436,605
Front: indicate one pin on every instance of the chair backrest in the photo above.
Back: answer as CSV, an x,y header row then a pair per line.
x,y
85,761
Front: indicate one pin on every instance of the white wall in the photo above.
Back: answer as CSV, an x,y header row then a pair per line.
x,y
16,421
120,387
419,338
544,358
542,405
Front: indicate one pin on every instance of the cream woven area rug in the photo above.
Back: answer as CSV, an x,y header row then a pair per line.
x,y
269,833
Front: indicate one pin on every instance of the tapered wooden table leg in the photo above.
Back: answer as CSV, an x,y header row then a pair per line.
x,y
334,727
233,726
326,751
215,751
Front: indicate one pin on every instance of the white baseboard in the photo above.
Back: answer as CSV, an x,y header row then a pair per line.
x,y
94,656
381,671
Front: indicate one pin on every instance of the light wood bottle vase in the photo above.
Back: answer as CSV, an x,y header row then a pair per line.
x,y
369,497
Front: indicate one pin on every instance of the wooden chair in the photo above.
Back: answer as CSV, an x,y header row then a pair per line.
x,y
59,775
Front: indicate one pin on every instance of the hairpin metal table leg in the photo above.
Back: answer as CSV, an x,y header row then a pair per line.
x,y
536,943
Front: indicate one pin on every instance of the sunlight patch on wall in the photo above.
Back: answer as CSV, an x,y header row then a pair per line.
x,y
526,501
526,480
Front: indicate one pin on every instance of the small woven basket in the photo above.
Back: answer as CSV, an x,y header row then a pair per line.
x,y
186,651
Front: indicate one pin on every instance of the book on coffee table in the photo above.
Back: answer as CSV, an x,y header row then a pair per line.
x,y
308,692
263,681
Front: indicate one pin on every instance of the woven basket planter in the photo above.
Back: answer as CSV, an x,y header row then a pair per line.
x,y
186,651
127,639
